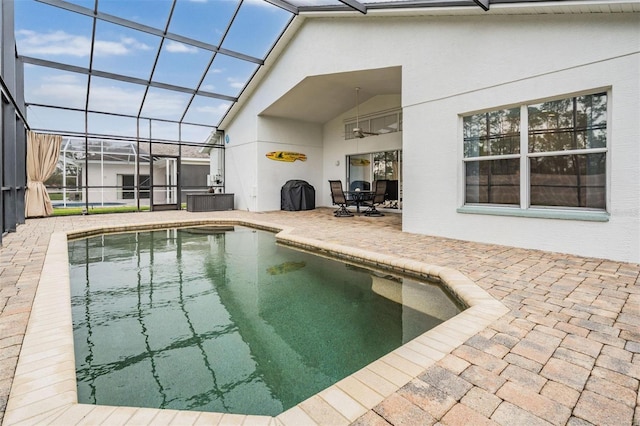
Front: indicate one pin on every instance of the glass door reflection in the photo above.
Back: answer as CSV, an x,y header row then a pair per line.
x,y
363,169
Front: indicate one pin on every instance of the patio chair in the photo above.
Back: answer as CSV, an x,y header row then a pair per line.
x,y
361,185
380,189
338,198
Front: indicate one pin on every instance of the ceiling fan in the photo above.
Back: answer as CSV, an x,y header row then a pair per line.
x,y
357,131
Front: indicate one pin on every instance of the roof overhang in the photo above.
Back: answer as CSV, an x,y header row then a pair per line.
x,y
317,99
412,9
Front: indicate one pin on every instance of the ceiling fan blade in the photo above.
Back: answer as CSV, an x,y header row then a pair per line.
x,y
358,132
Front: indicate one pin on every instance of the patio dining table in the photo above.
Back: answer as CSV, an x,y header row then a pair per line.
x,y
359,197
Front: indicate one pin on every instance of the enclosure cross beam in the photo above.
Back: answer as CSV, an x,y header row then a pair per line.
x,y
484,4
355,5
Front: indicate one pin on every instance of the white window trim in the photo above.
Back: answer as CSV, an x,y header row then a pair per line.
x,y
372,116
525,172
540,213
525,209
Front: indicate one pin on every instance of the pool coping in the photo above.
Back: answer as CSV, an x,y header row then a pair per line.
x,y
44,386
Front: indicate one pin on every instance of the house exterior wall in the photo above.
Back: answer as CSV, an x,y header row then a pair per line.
x,y
457,65
241,174
193,173
278,134
107,175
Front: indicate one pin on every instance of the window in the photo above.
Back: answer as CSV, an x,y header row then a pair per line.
x,y
129,189
567,152
492,145
559,162
375,125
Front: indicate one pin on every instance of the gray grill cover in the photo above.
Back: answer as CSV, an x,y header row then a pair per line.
x,y
297,195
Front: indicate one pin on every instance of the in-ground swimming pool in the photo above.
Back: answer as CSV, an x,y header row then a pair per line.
x,y
225,319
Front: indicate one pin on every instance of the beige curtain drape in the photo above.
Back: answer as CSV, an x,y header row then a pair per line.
x,y
42,156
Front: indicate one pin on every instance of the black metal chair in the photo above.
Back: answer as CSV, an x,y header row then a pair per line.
x,y
380,189
338,198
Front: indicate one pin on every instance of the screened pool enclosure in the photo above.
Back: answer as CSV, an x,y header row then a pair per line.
x,y
146,87
103,172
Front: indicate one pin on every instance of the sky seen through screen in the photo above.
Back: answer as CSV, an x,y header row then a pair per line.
x,y
245,31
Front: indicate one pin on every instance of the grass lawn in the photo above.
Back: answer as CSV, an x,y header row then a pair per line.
x,y
70,211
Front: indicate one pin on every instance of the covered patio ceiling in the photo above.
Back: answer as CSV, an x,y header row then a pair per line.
x,y
170,70
317,99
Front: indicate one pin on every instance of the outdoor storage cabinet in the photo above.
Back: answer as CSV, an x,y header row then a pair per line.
x,y
209,202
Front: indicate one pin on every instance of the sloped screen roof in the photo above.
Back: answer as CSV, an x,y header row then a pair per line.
x,y
165,70
177,65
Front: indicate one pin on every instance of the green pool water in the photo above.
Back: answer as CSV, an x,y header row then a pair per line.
x,y
226,320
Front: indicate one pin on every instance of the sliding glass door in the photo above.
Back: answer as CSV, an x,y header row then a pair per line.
x,y
363,169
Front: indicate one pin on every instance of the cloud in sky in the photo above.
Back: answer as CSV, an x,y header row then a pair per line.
x,y
66,89
236,83
254,2
216,110
134,44
260,3
69,89
59,43
53,43
106,97
164,104
176,47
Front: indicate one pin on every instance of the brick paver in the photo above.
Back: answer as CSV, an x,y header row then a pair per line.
x,y
601,410
463,415
568,352
566,373
534,403
399,411
481,401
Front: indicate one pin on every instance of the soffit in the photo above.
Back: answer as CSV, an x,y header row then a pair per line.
x,y
319,98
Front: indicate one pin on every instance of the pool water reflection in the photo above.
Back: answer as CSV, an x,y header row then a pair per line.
x,y
224,319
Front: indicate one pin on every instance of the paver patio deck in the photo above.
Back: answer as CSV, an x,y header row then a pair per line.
x,y
567,352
